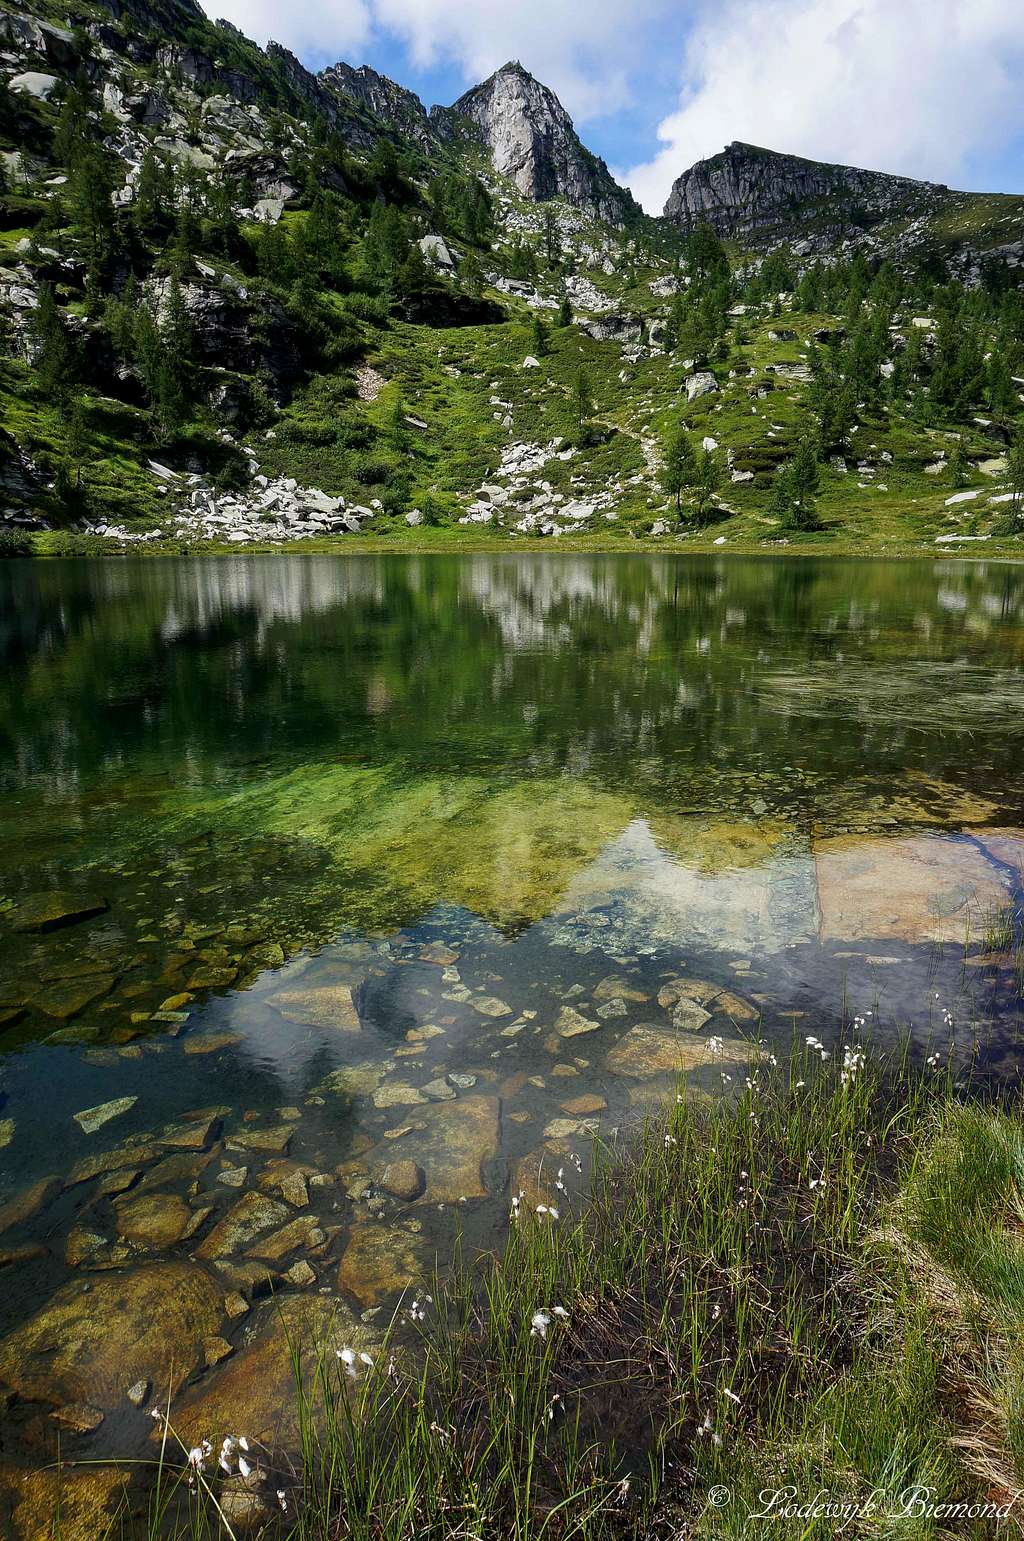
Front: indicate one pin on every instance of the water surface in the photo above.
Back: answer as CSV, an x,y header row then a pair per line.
x,y
347,861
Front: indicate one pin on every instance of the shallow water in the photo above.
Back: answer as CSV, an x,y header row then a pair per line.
x,y
389,858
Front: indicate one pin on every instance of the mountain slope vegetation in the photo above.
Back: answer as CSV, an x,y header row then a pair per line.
x,y
243,304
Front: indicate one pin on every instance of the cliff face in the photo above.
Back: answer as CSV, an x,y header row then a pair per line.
x,y
390,103
531,140
749,192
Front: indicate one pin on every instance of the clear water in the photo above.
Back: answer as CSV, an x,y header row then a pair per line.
x,y
475,792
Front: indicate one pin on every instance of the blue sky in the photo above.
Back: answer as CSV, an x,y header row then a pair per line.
x,y
929,88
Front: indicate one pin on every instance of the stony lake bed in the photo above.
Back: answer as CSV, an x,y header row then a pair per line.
x,y
343,901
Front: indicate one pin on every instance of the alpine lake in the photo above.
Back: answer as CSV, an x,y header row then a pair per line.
x,y
344,899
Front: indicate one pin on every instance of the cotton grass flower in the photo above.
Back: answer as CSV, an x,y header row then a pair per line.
x,y
853,1064
542,1319
707,1431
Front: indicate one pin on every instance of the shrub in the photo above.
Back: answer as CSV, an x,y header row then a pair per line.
x,y
15,543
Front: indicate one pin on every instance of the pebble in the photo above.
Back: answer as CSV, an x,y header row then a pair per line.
x,y
233,1176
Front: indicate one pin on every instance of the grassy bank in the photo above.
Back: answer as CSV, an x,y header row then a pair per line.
x,y
454,540
808,1294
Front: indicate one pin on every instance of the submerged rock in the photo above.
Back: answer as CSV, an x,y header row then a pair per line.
x,y
491,1006
194,1132
916,888
52,911
572,1023
303,1232
379,1261
79,1417
616,987
210,1043
535,1174
580,1107
156,1220
397,1096
28,1202
87,1499
90,1345
254,1392
439,953
649,1050
403,1180
325,1006
66,998
455,1143
716,998
250,1217
688,1015
439,1090
275,1138
91,1119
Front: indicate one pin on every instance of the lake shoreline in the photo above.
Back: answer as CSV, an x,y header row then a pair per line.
x,y
794,1295
449,542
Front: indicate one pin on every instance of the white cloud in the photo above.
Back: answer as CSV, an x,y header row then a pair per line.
x,y
337,26
585,50
588,51
911,86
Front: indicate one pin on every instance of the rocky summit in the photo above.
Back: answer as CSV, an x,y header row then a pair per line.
x,y
762,197
531,140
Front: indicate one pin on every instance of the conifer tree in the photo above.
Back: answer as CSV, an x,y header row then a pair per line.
x,y
680,468
959,464
77,438
154,192
795,488
88,194
1015,467
551,247
583,402
55,364
412,278
1002,399
471,275
708,483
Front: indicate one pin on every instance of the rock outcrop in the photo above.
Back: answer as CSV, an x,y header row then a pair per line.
x,y
746,191
390,103
531,140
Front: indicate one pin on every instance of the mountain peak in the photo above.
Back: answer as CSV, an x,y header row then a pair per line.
x,y
531,140
747,191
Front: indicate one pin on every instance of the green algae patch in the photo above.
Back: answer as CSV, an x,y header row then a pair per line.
x,y
505,851
718,845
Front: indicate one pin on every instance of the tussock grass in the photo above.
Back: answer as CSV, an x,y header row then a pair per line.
x,y
957,1231
815,1283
